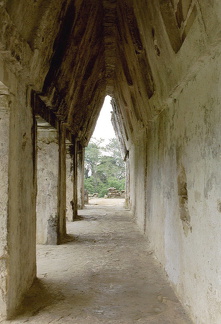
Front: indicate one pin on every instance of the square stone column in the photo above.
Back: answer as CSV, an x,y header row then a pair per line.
x,y
62,184
4,172
17,199
69,184
47,179
73,151
80,176
51,198
127,184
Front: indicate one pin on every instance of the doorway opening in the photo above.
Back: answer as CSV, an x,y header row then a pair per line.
x,y
104,168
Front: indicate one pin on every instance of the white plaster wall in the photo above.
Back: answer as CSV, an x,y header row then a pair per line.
x,y
188,133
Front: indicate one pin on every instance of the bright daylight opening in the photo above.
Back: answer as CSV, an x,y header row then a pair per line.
x,y
104,166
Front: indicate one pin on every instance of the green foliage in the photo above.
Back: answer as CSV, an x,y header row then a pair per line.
x,y
89,184
92,155
104,167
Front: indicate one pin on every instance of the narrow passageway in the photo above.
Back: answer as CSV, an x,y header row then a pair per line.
x,y
104,273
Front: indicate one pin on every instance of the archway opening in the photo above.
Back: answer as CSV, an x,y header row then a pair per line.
x,y
104,168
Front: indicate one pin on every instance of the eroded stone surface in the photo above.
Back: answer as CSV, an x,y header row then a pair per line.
x,y
80,177
48,174
69,184
4,158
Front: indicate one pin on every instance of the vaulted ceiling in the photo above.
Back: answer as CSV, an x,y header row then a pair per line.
x,y
82,52
77,51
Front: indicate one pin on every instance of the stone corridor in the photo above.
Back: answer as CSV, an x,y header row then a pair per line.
x,y
159,61
104,273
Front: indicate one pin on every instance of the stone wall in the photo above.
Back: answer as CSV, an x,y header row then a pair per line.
x,y
183,204
176,161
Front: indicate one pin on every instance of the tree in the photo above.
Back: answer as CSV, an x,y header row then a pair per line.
x,y
104,167
113,149
92,156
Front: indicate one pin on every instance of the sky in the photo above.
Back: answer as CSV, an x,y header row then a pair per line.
x,y
104,128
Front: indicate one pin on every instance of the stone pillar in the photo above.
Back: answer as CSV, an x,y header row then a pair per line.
x,y
21,202
47,178
80,176
62,185
73,150
69,184
127,184
4,158
51,200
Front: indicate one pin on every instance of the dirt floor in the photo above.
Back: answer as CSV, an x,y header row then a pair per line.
x,y
104,273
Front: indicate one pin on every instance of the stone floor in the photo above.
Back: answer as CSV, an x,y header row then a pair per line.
x,y
104,273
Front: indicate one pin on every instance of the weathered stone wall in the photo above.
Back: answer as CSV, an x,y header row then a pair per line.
x,y
177,161
173,139
183,205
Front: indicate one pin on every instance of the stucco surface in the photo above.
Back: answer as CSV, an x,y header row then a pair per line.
x,y
21,200
186,136
69,187
4,150
47,176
